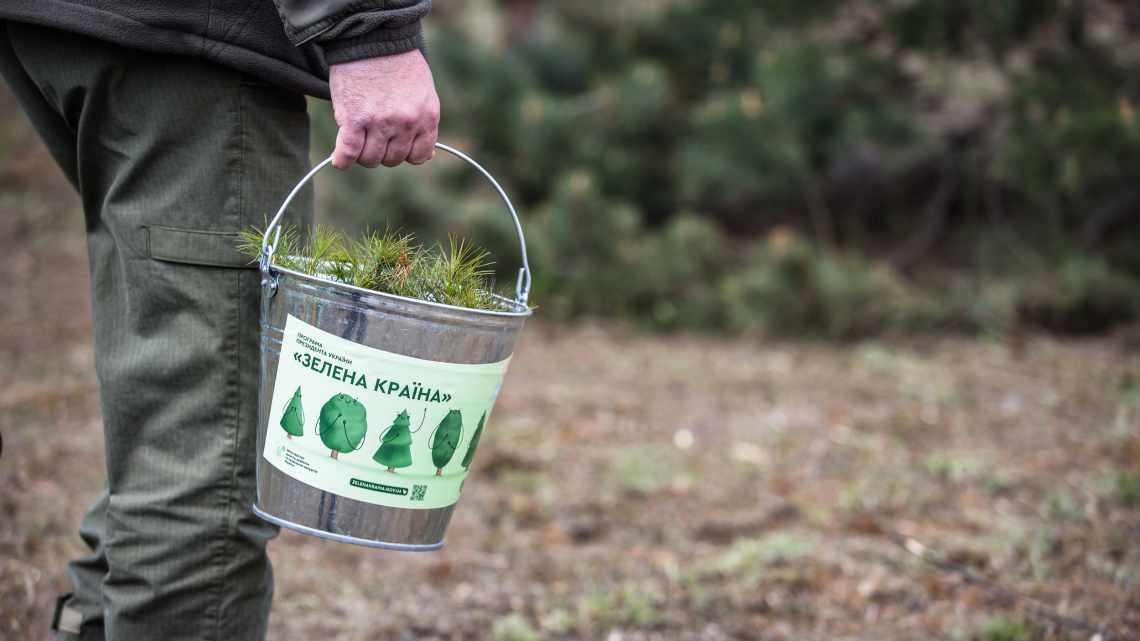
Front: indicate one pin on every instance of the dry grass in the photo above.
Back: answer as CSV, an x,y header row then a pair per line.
x,y
637,487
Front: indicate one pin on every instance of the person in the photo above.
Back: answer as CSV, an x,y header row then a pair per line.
x,y
180,123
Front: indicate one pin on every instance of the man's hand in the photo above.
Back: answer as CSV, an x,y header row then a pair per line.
x,y
387,111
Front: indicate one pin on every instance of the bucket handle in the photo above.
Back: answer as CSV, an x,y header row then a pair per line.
x,y
522,285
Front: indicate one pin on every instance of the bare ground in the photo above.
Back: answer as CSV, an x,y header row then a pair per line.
x,y
647,487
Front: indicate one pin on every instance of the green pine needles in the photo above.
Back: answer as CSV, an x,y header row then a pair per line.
x,y
459,274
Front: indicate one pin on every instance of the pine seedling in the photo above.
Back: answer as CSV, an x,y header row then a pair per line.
x,y
324,250
352,268
459,274
387,260
285,251
311,257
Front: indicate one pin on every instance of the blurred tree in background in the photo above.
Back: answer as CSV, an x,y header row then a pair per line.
x,y
815,167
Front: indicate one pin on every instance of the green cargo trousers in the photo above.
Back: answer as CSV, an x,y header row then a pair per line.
x,y
171,157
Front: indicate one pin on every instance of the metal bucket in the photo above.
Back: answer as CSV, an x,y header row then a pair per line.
x,y
401,327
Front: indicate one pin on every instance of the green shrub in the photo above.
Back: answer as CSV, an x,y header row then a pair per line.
x,y
674,280
958,25
1074,136
1081,296
974,304
649,163
789,288
583,247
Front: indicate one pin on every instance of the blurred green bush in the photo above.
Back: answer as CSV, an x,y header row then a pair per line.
x,y
793,168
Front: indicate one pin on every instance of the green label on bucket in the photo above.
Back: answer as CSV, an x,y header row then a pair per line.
x,y
374,426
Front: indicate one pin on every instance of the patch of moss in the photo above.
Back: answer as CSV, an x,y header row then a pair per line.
x,y
632,604
1001,628
514,627
1127,488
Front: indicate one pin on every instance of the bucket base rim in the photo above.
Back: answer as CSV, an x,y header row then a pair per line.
x,y
344,538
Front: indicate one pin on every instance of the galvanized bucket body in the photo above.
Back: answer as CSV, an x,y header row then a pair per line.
x,y
397,325
391,323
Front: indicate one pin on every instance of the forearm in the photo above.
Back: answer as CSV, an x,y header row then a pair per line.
x,y
355,29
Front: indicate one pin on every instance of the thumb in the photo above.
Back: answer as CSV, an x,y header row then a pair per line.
x,y
349,144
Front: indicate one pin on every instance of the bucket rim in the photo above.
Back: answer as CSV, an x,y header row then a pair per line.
x,y
525,311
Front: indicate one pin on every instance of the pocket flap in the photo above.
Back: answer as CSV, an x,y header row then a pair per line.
x,y
196,247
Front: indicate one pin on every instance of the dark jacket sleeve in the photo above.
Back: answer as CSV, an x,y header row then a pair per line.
x,y
354,29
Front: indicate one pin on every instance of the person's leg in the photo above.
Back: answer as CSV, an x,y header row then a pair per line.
x,y
85,603
174,156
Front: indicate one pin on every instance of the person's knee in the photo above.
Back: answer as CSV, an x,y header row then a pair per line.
x,y
159,544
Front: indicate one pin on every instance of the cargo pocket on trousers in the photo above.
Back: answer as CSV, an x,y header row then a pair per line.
x,y
196,247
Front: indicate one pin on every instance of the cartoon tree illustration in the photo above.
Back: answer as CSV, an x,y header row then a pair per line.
x,y
445,440
293,419
470,455
342,425
396,444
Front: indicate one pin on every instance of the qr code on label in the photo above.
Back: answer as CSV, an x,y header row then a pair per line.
x,y
418,492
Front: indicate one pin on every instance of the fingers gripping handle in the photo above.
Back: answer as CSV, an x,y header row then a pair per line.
x,y
273,230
